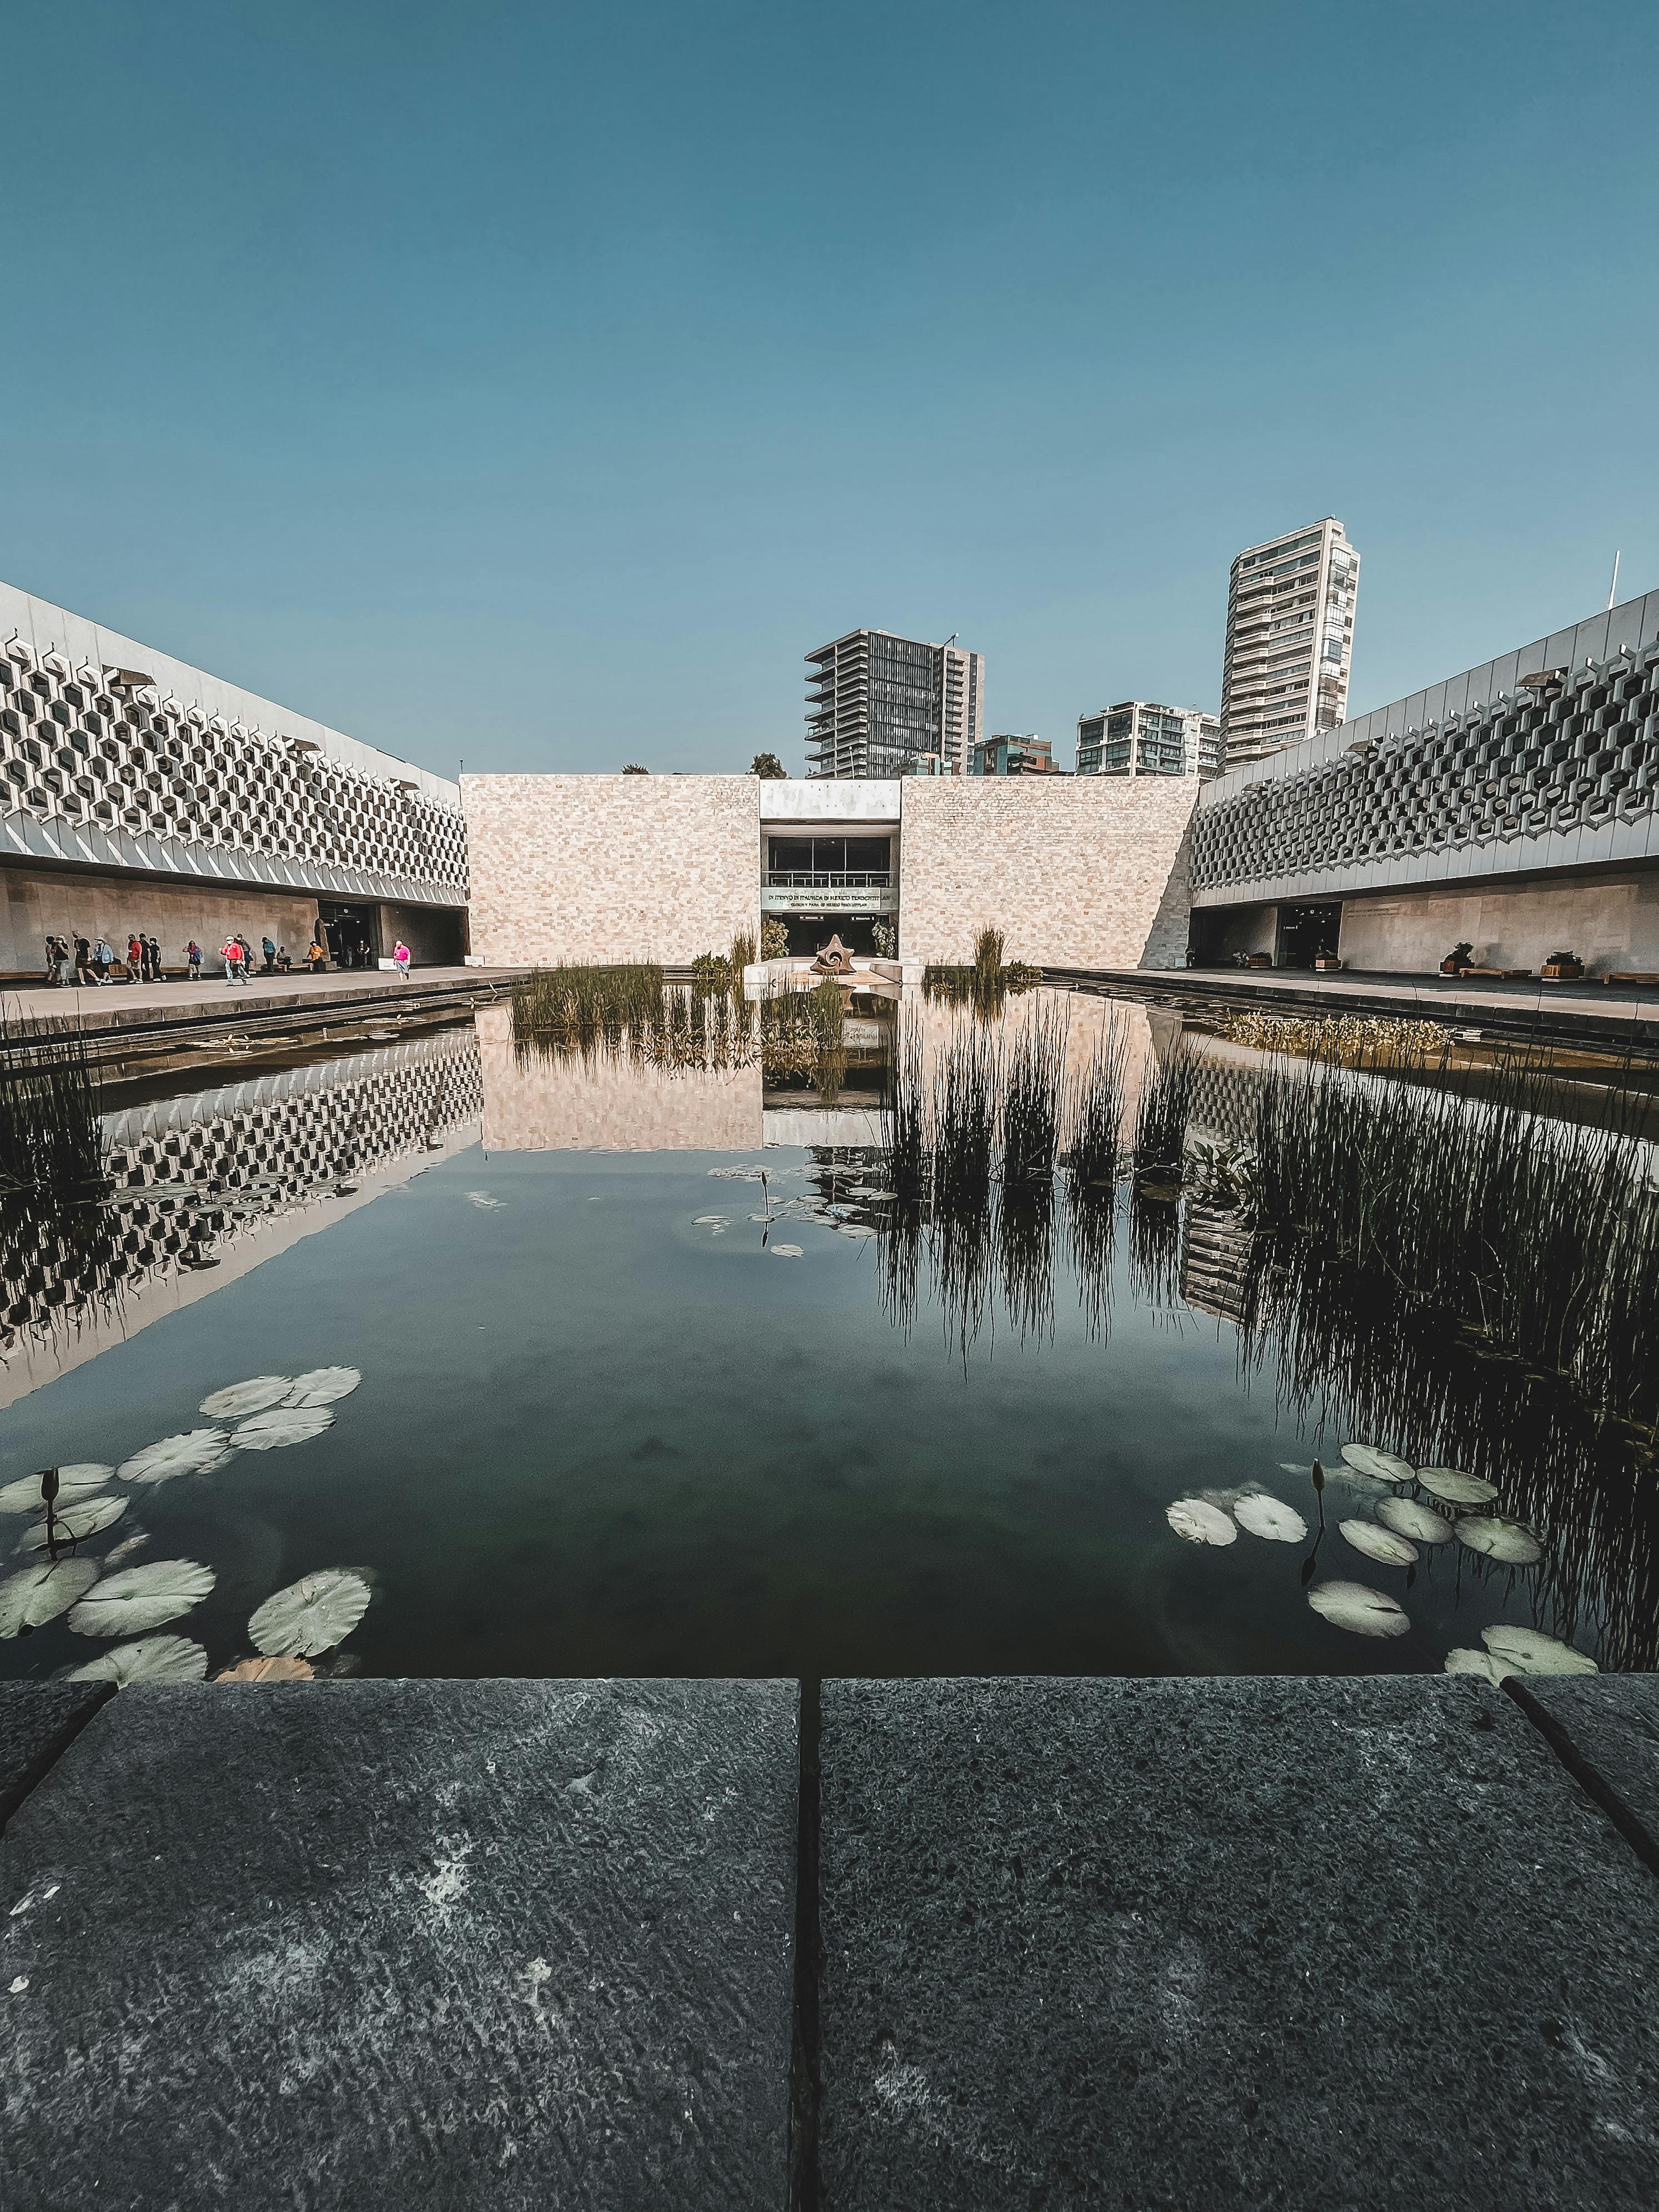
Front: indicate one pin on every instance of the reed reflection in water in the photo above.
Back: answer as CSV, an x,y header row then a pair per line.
x,y
1467,1281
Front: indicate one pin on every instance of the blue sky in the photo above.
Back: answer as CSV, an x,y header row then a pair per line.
x,y
538,384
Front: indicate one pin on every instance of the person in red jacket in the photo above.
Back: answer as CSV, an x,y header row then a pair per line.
x,y
231,953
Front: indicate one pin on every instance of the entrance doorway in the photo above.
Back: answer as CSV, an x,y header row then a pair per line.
x,y
1304,931
351,932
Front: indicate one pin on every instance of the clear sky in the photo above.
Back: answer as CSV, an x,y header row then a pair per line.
x,y
538,383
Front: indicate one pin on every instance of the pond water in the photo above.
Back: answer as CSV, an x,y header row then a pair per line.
x,y
625,1408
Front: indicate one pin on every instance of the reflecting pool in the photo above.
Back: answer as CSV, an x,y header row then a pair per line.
x,y
674,1367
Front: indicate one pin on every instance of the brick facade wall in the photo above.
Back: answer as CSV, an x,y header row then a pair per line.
x,y
1078,871
611,867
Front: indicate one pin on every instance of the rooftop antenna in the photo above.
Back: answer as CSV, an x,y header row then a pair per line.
x,y
951,639
1614,587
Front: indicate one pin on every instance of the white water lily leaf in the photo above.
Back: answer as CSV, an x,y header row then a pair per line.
x,y
786,1252
125,1550
853,1229
1456,1488
1407,1518
1530,1651
1381,1466
1506,1541
196,1451
87,1519
37,1594
78,1480
1362,1612
312,1615
485,1202
269,1670
1263,1516
1293,1466
719,1220
137,1598
237,1399
323,1386
1379,1544
1201,1523
152,1659
283,1424
1465,1662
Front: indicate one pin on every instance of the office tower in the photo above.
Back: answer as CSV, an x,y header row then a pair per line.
x,y
1013,754
879,705
1290,641
1139,738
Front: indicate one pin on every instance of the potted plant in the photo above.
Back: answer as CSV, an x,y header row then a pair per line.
x,y
1563,968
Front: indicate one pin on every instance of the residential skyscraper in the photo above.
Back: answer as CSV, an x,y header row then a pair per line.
x,y
1290,641
1139,738
878,705
1014,755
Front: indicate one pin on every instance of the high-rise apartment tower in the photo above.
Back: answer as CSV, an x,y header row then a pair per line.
x,y
880,705
1139,738
1290,641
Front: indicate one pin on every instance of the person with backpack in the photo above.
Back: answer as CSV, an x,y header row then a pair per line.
x,y
135,959
85,967
194,960
57,961
270,951
231,953
102,961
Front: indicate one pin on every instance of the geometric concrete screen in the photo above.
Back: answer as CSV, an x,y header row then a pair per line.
x,y
106,765
1556,749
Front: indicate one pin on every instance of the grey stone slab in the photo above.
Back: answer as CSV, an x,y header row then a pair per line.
x,y
1338,1943
38,1723
1612,1723
404,1944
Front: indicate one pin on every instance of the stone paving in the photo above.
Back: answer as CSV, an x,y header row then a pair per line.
x,y
1354,1942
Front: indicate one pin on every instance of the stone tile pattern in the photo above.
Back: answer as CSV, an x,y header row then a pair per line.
x,y
405,1943
611,867
543,1104
296,1133
1485,774
1086,871
1251,1942
135,763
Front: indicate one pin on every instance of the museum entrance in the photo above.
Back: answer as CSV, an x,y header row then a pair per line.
x,y
351,932
1306,932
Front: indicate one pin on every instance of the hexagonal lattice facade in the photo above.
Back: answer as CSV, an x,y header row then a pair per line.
x,y
249,1152
83,745
1576,750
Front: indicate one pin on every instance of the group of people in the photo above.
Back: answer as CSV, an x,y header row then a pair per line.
x,y
83,960
86,961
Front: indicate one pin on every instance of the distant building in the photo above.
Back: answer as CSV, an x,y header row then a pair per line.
x,y
1015,756
1290,641
879,705
1139,738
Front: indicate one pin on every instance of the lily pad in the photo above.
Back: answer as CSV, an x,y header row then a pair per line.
x,y
283,1424
37,1594
1199,1523
1382,1545
269,1670
78,1480
1456,1488
1361,1611
1498,1538
137,1598
853,1229
1465,1662
152,1659
87,1519
323,1386
1263,1516
1530,1651
786,1252
195,1451
1407,1518
1381,1466
312,1615
237,1399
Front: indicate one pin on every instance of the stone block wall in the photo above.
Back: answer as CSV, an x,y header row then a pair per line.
x,y
611,867
541,1104
1086,871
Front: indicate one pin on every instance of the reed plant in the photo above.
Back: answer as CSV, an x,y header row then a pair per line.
x,y
49,1144
1163,1110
